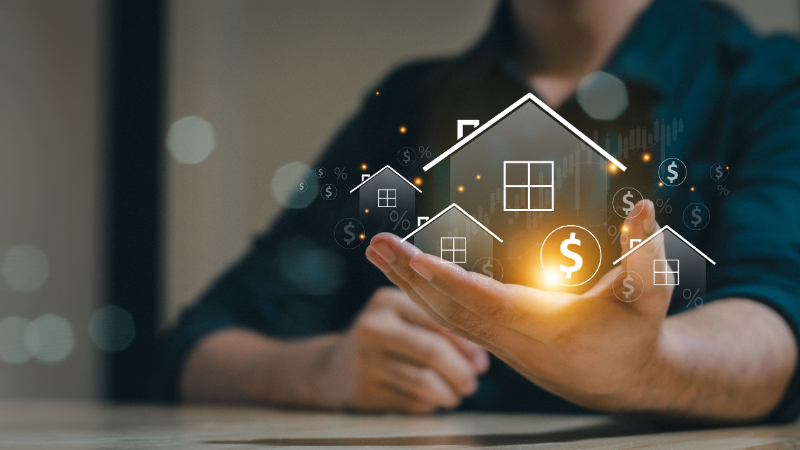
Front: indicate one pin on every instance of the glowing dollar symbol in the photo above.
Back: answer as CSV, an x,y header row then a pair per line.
x,y
348,230
301,186
328,192
627,200
628,288
696,214
487,269
719,172
674,173
571,255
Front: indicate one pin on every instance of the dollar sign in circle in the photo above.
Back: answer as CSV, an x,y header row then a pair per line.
x,y
320,172
570,256
302,186
486,269
696,216
349,233
328,192
719,172
576,258
628,286
625,200
406,156
628,203
672,172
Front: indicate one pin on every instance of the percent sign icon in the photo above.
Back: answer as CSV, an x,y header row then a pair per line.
x,y
424,151
399,220
663,205
693,297
723,190
617,235
340,173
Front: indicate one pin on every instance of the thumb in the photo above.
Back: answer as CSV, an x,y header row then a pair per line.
x,y
641,224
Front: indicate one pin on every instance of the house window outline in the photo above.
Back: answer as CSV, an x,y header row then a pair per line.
x,y
453,246
529,187
665,270
387,198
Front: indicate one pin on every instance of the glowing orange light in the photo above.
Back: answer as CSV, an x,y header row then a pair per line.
x,y
461,189
361,236
377,93
692,188
402,129
612,168
625,228
726,167
366,211
363,167
418,181
646,157
660,183
478,176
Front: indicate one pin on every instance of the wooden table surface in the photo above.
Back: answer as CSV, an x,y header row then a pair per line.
x,y
76,425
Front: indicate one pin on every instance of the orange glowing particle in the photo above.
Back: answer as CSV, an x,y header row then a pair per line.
x,y
625,228
366,211
612,167
646,157
402,129
478,176
692,188
377,93
418,181
361,236
363,167
461,189
660,183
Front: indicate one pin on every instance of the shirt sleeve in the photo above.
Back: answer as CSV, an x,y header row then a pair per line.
x,y
295,280
756,242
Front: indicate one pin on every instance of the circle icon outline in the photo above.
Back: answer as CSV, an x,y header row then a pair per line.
x,y
360,241
613,200
687,209
685,172
480,279
599,260
323,188
711,172
413,156
614,282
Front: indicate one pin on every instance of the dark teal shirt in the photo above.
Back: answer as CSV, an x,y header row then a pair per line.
x,y
733,96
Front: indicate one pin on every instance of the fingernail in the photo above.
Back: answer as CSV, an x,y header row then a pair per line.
x,y
422,269
386,252
376,259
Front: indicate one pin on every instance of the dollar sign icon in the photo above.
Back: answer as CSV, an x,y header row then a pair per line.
x,y
349,233
302,186
673,173
328,192
576,258
696,214
719,173
629,204
628,287
406,156
582,252
348,230
320,172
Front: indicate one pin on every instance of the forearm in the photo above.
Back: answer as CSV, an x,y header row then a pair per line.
x,y
729,361
238,365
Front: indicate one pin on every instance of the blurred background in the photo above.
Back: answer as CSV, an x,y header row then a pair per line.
x,y
138,141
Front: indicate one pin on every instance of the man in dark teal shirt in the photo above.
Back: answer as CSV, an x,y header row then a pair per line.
x,y
261,334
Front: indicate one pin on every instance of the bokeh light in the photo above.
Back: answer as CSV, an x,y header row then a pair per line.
x,y
25,268
111,328
190,140
294,185
49,338
310,269
12,340
602,95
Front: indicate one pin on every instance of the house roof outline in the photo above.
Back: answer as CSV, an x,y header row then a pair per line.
x,y
384,168
665,227
514,106
442,213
